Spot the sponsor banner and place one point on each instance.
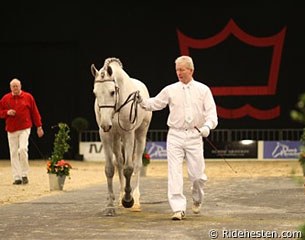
(92, 151)
(156, 150)
(237, 149)
(282, 149)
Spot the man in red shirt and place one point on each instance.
(20, 112)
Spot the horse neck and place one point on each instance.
(124, 83)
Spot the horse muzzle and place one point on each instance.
(106, 128)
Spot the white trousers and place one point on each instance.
(18, 143)
(188, 145)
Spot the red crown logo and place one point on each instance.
(276, 41)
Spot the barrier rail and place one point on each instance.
(218, 135)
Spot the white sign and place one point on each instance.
(92, 151)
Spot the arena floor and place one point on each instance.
(260, 198)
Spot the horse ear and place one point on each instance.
(93, 70)
(109, 70)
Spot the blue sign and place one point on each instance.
(282, 149)
(156, 150)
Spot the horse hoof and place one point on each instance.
(127, 204)
(136, 208)
(109, 212)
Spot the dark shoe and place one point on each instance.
(17, 182)
(25, 180)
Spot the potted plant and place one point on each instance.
(79, 124)
(302, 152)
(299, 116)
(57, 168)
(145, 158)
(145, 162)
(302, 230)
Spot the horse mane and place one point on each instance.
(110, 60)
(109, 69)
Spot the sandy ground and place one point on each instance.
(86, 174)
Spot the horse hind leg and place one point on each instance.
(140, 142)
(136, 193)
(119, 163)
(122, 182)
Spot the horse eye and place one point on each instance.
(112, 93)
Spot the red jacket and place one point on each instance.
(26, 109)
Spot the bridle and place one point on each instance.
(116, 94)
(132, 97)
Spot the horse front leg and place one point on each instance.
(109, 172)
(128, 142)
(127, 200)
(118, 148)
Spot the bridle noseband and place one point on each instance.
(116, 92)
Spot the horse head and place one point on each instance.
(106, 95)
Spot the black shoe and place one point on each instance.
(25, 180)
(17, 182)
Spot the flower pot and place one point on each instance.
(56, 182)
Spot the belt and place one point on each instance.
(183, 129)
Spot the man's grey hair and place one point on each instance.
(187, 60)
(15, 80)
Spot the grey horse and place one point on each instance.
(123, 127)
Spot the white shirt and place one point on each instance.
(203, 105)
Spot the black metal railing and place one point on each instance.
(219, 135)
